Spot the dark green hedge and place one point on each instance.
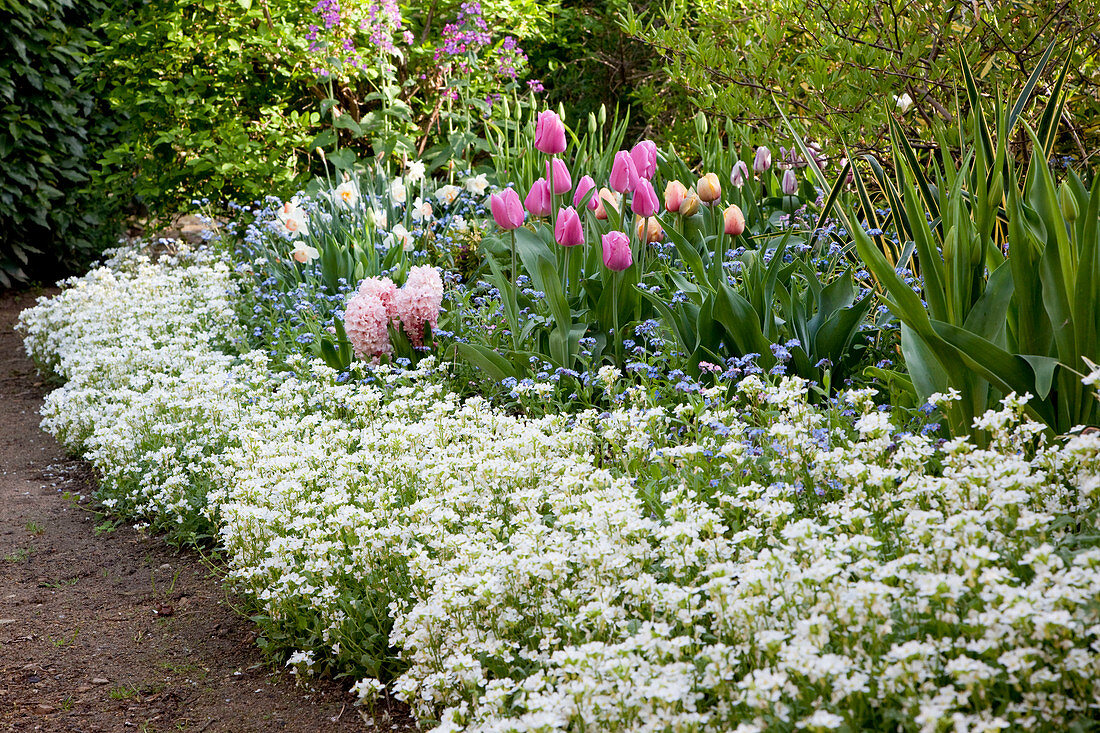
(51, 137)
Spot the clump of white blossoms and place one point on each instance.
(721, 564)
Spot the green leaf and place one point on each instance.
(488, 360)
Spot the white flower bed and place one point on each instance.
(593, 574)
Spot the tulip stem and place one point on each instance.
(615, 279)
(515, 297)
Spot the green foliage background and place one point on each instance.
(837, 65)
(217, 99)
(51, 216)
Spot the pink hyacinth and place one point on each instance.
(367, 318)
(419, 302)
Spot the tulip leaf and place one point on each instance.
(488, 360)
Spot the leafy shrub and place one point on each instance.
(216, 99)
(50, 218)
(840, 67)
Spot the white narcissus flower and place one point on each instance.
(303, 253)
(378, 217)
(397, 190)
(400, 234)
(421, 210)
(477, 185)
(346, 195)
(291, 220)
(447, 194)
(414, 171)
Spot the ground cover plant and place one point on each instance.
(599, 438)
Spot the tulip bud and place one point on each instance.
(733, 220)
(506, 208)
(585, 185)
(550, 133)
(644, 155)
(568, 231)
(701, 123)
(850, 177)
(603, 115)
(674, 195)
(616, 251)
(763, 159)
(790, 182)
(505, 108)
(690, 204)
(644, 200)
(592, 126)
(1067, 202)
(624, 175)
(648, 230)
(607, 197)
(538, 198)
(739, 174)
(709, 188)
(950, 246)
(558, 176)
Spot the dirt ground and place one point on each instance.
(107, 630)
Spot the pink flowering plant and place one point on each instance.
(305, 259)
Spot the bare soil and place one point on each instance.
(104, 629)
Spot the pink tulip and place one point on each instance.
(733, 220)
(558, 175)
(763, 160)
(506, 208)
(624, 175)
(606, 198)
(674, 196)
(568, 231)
(538, 198)
(790, 182)
(644, 155)
(739, 174)
(616, 251)
(550, 133)
(644, 202)
(585, 185)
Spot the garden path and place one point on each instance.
(103, 629)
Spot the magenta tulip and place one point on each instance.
(558, 175)
(568, 231)
(790, 182)
(763, 160)
(616, 251)
(538, 198)
(739, 174)
(644, 202)
(550, 133)
(624, 175)
(644, 155)
(586, 184)
(506, 208)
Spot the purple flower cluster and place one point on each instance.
(382, 21)
(467, 34)
(336, 29)
(511, 59)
